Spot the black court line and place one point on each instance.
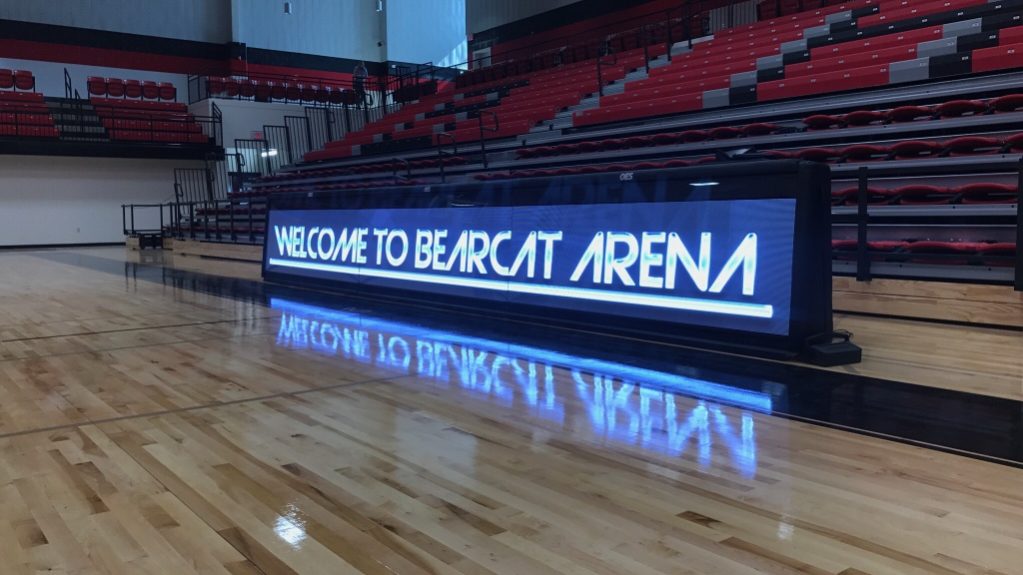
(199, 407)
(978, 426)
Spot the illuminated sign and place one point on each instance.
(622, 403)
(736, 255)
(707, 263)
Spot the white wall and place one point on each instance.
(421, 31)
(242, 117)
(58, 200)
(336, 28)
(486, 14)
(50, 76)
(200, 20)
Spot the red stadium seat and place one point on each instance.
(936, 252)
(971, 145)
(24, 80)
(132, 89)
(246, 88)
(1009, 103)
(915, 149)
(875, 196)
(231, 87)
(988, 193)
(263, 91)
(864, 153)
(278, 91)
(725, 133)
(150, 90)
(910, 113)
(694, 136)
(638, 141)
(168, 92)
(95, 85)
(818, 154)
(919, 194)
(760, 129)
(822, 122)
(115, 87)
(677, 163)
(1014, 142)
(1005, 253)
(214, 86)
(665, 139)
(864, 118)
(957, 108)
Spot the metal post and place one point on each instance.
(668, 35)
(124, 219)
(862, 254)
(646, 47)
(1018, 283)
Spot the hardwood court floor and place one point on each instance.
(151, 429)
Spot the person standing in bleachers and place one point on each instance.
(359, 76)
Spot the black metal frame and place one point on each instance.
(442, 155)
(483, 130)
(1018, 280)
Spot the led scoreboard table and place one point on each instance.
(731, 256)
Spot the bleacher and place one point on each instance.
(148, 121)
(919, 98)
(23, 112)
(519, 103)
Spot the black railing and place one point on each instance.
(443, 155)
(395, 162)
(129, 218)
(1018, 278)
(67, 84)
(483, 129)
(299, 136)
(603, 62)
(234, 221)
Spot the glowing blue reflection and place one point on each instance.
(624, 403)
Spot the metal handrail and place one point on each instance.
(408, 167)
(600, 70)
(441, 154)
(483, 129)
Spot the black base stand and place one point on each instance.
(825, 351)
(150, 241)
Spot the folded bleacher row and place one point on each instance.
(25, 115)
(146, 121)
